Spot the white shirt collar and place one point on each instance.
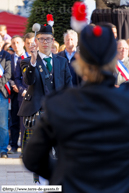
(21, 54)
(44, 56)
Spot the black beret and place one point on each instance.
(97, 45)
(45, 29)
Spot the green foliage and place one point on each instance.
(61, 11)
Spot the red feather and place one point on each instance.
(49, 17)
(97, 31)
(79, 11)
(44, 24)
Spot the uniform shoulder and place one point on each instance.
(6, 54)
(24, 63)
(26, 59)
(61, 58)
(61, 53)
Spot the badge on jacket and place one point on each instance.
(24, 70)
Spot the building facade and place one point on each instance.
(11, 5)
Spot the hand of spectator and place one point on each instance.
(15, 88)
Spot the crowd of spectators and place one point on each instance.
(16, 48)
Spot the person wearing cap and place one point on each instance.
(91, 129)
(44, 73)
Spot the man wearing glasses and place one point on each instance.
(44, 72)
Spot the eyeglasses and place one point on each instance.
(42, 40)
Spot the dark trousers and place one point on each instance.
(22, 128)
(14, 121)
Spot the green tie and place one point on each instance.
(48, 65)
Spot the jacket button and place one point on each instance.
(25, 98)
(51, 82)
(28, 95)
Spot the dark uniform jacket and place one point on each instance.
(35, 78)
(75, 78)
(5, 61)
(90, 126)
(12, 80)
(19, 81)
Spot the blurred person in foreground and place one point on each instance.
(89, 124)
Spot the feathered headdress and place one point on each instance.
(79, 16)
(50, 20)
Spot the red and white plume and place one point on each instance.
(79, 16)
(50, 20)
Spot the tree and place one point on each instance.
(61, 11)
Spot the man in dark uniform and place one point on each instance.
(44, 72)
(22, 87)
(18, 46)
(90, 124)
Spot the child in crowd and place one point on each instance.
(3, 33)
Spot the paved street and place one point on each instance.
(12, 171)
